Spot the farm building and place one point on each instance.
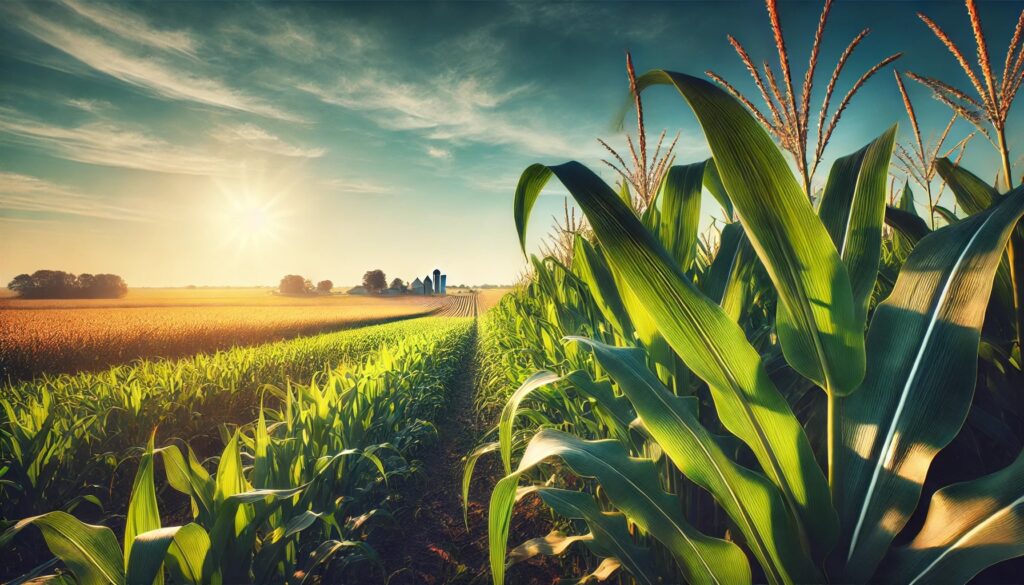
(357, 290)
(432, 284)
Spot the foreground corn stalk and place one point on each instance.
(657, 348)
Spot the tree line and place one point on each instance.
(374, 281)
(57, 284)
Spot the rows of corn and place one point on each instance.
(318, 432)
(53, 339)
(826, 390)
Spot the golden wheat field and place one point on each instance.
(62, 336)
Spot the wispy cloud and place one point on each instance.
(441, 153)
(357, 187)
(108, 144)
(130, 26)
(450, 108)
(24, 193)
(158, 76)
(86, 105)
(256, 138)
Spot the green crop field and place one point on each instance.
(784, 346)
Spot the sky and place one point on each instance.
(221, 143)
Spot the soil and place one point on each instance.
(434, 546)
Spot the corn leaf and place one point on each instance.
(633, 487)
(910, 228)
(853, 208)
(594, 271)
(970, 192)
(187, 553)
(753, 503)
(970, 527)
(609, 531)
(146, 560)
(727, 281)
(680, 211)
(90, 552)
(817, 321)
(924, 345)
(716, 349)
(143, 511)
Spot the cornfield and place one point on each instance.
(825, 391)
(822, 388)
(42, 339)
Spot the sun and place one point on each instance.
(249, 218)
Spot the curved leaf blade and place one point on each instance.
(90, 552)
(853, 209)
(609, 531)
(924, 343)
(680, 211)
(716, 350)
(970, 527)
(632, 485)
(817, 321)
(753, 503)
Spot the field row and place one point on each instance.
(58, 423)
(36, 341)
(296, 488)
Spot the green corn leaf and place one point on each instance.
(594, 271)
(906, 202)
(190, 478)
(609, 531)
(970, 527)
(716, 349)
(970, 192)
(143, 511)
(908, 226)
(924, 345)
(853, 208)
(727, 281)
(817, 320)
(753, 503)
(633, 487)
(947, 215)
(146, 560)
(90, 552)
(713, 183)
(508, 413)
(975, 196)
(187, 554)
(615, 411)
(680, 211)
(467, 475)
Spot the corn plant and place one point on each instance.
(680, 352)
(59, 435)
(321, 467)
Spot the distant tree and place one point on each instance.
(23, 285)
(324, 287)
(375, 281)
(397, 284)
(57, 284)
(293, 284)
(103, 286)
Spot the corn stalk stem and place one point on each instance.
(834, 438)
(1004, 152)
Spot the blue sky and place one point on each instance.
(221, 143)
